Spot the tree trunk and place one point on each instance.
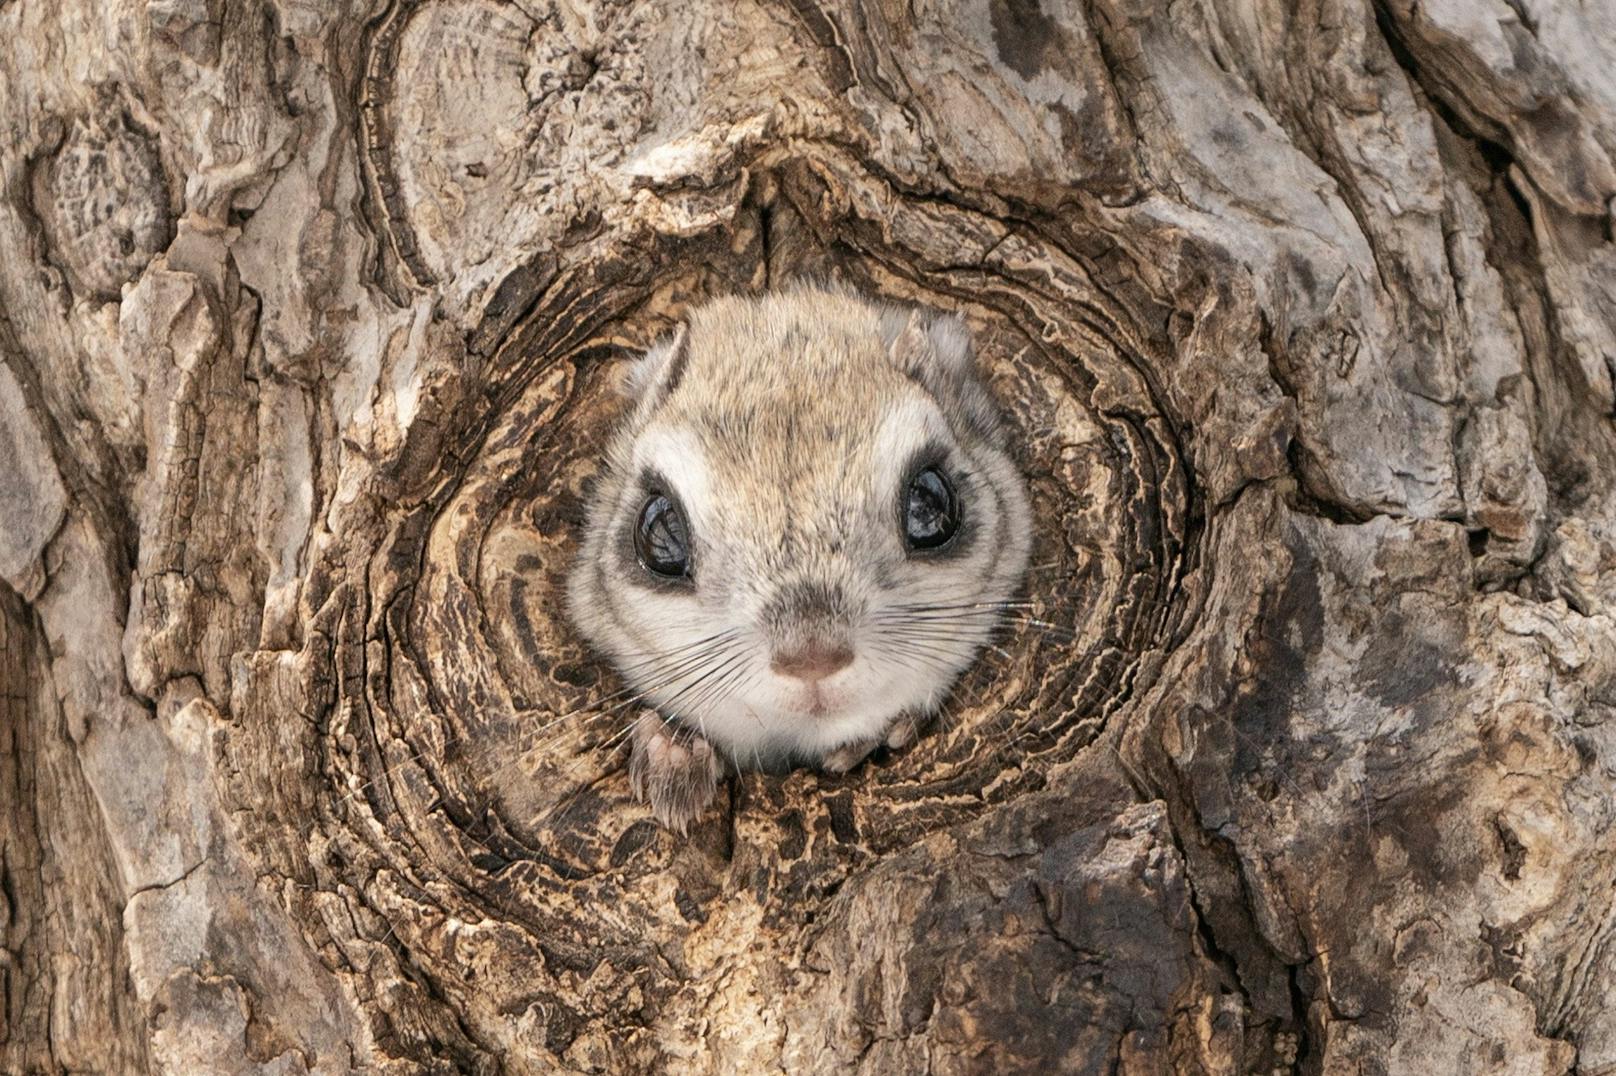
(1305, 319)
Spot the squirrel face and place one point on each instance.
(806, 525)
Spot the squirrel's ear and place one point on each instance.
(935, 350)
(650, 378)
(930, 347)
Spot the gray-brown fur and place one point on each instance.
(786, 427)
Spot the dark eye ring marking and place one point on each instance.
(931, 510)
(662, 538)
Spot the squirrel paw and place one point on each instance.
(674, 769)
(900, 734)
(904, 731)
(847, 756)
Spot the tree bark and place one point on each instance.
(1305, 319)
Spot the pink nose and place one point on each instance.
(813, 661)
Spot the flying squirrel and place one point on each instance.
(805, 530)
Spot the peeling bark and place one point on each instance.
(1304, 317)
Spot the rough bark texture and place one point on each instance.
(1305, 315)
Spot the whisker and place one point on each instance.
(685, 662)
(669, 676)
(553, 816)
(900, 611)
(717, 690)
(932, 656)
(943, 624)
(637, 698)
(710, 682)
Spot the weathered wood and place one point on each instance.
(1304, 317)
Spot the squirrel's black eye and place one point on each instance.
(661, 539)
(931, 514)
